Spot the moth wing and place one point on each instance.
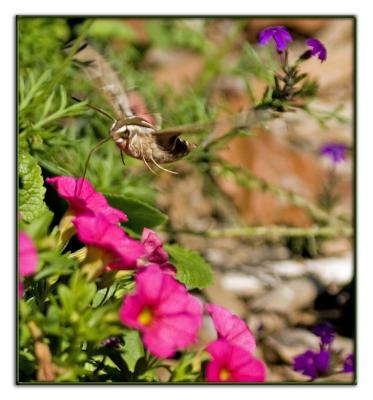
(170, 134)
(99, 70)
(179, 130)
(166, 138)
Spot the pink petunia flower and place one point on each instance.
(167, 316)
(83, 198)
(154, 251)
(153, 247)
(231, 363)
(231, 328)
(108, 242)
(28, 258)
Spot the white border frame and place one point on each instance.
(361, 9)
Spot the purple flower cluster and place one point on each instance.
(111, 342)
(325, 332)
(312, 363)
(317, 48)
(278, 33)
(282, 37)
(349, 363)
(319, 363)
(335, 151)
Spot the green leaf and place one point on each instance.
(140, 214)
(53, 168)
(38, 228)
(183, 371)
(82, 290)
(192, 270)
(103, 295)
(53, 264)
(134, 349)
(66, 297)
(31, 193)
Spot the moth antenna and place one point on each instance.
(145, 162)
(164, 169)
(98, 109)
(95, 148)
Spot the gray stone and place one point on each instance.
(287, 269)
(287, 297)
(242, 284)
(332, 271)
(290, 342)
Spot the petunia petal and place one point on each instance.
(231, 328)
(28, 256)
(240, 365)
(83, 198)
(96, 231)
(153, 246)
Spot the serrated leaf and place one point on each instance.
(140, 214)
(38, 228)
(31, 193)
(134, 349)
(192, 270)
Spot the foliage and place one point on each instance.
(140, 215)
(191, 268)
(31, 192)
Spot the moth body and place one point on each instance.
(138, 139)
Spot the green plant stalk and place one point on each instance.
(274, 232)
(60, 74)
(248, 180)
(35, 87)
(61, 113)
(214, 62)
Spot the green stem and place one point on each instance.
(61, 113)
(274, 232)
(215, 60)
(248, 180)
(239, 122)
(60, 73)
(119, 362)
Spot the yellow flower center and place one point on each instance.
(146, 316)
(224, 374)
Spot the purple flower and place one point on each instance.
(278, 33)
(317, 48)
(325, 332)
(349, 363)
(336, 151)
(112, 342)
(311, 363)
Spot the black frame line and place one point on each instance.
(354, 187)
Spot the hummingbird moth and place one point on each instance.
(134, 135)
